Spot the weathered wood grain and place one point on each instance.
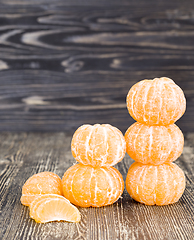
(24, 154)
(65, 63)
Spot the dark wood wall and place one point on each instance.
(66, 63)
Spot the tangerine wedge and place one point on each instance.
(98, 145)
(53, 207)
(150, 184)
(87, 186)
(40, 183)
(156, 102)
(154, 144)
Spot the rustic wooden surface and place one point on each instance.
(24, 154)
(65, 63)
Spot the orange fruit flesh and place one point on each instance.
(27, 199)
(87, 186)
(156, 102)
(38, 184)
(154, 144)
(53, 207)
(98, 145)
(161, 185)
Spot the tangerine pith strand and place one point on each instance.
(94, 182)
(154, 141)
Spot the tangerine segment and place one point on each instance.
(98, 145)
(38, 200)
(53, 207)
(154, 144)
(87, 186)
(38, 184)
(161, 185)
(156, 102)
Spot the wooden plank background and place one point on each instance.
(65, 63)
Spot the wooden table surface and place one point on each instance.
(64, 63)
(24, 154)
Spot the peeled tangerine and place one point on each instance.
(87, 186)
(161, 185)
(156, 102)
(98, 145)
(38, 184)
(154, 144)
(53, 207)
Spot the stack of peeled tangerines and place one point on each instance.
(154, 141)
(94, 182)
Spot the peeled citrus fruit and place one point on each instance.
(87, 186)
(156, 102)
(98, 145)
(150, 184)
(154, 144)
(38, 184)
(53, 207)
